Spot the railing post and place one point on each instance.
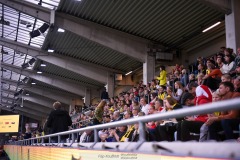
(142, 132)
(73, 138)
(49, 139)
(59, 139)
(95, 135)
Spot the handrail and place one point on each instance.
(205, 108)
(83, 121)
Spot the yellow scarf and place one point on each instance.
(126, 135)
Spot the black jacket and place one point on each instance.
(58, 121)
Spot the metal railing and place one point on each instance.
(203, 109)
(83, 123)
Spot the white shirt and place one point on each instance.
(227, 67)
(145, 109)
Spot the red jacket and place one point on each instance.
(198, 102)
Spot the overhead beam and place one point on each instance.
(24, 114)
(35, 113)
(127, 44)
(223, 6)
(29, 107)
(67, 85)
(37, 108)
(33, 98)
(39, 100)
(86, 69)
(55, 95)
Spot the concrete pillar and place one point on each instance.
(148, 69)
(87, 98)
(232, 22)
(110, 84)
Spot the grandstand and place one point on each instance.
(119, 79)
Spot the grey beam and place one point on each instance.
(33, 109)
(67, 85)
(31, 106)
(23, 113)
(28, 112)
(39, 100)
(223, 6)
(37, 108)
(62, 97)
(119, 41)
(32, 98)
(89, 70)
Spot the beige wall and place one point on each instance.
(204, 51)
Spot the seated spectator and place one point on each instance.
(187, 99)
(177, 68)
(227, 121)
(220, 61)
(153, 86)
(159, 105)
(135, 111)
(116, 116)
(127, 115)
(204, 128)
(118, 133)
(162, 94)
(200, 79)
(193, 124)
(88, 137)
(167, 128)
(226, 78)
(144, 105)
(236, 61)
(177, 95)
(237, 70)
(228, 66)
(151, 126)
(153, 97)
(236, 83)
(201, 69)
(212, 79)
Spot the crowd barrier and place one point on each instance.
(32, 147)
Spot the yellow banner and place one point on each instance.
(55, 153)
(9, 123)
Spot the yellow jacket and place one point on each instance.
(163, 77)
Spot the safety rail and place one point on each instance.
(83, 122)
(203, 109)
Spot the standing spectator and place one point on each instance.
(104, 94)
(163, 76)
(184, 79)
(98, 114)
(58, 121)
(28, 133)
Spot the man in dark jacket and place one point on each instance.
(58, 121)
